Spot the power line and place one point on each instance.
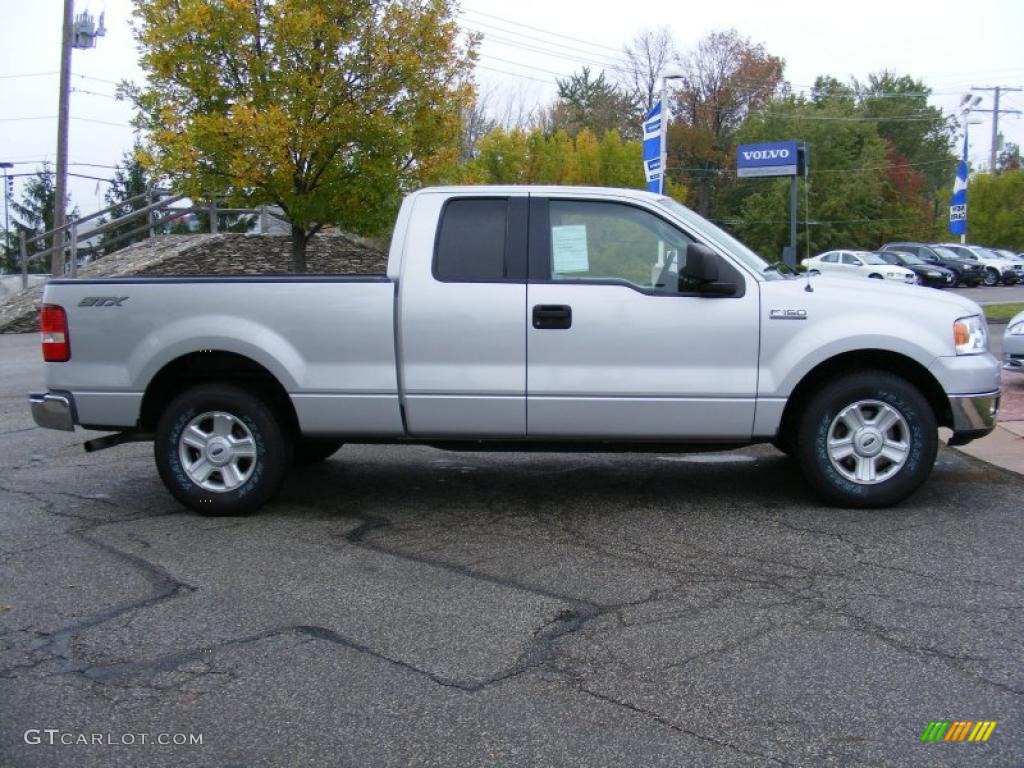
(54, 117)
(543, 31)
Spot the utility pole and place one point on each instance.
(996, 111)
(7, 218)
(77, 33)
(63, 105)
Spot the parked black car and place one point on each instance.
(931, 275)
(968, 273)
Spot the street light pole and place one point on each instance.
(967, 104)
(664, 127)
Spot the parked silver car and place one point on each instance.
(1013, 344)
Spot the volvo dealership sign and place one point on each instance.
(776, 158)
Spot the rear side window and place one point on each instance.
(471, 241)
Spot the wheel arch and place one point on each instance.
(214, 365)
(862, 360)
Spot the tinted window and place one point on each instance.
(849, 258)
(830, 258)
(609, 241)
(471, 241)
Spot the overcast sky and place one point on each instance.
(950, 45)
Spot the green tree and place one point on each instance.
(331, 109)
(586, 102)
(994, 205)
(33, 214)
(130, 181)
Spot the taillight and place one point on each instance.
(53, 323)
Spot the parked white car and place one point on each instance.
(997, 269)
(858, 264)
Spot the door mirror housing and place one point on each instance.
(701, 271)
(701, 264)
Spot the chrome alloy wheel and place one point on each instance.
(217, 451)
(868, 442)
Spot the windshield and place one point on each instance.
(909, 258)
(872, 258)
(944, 252)
(724, 239)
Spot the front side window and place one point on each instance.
(849, 258)
(611, 241)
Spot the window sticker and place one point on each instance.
(569, 249)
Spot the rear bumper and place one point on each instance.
(53, 410)
(974, 416)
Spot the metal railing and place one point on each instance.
(157, 213)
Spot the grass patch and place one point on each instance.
(1002, 311)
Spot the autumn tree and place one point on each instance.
(647, 59)
(724, 78)
(330, 109)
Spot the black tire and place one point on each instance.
(875, 277)
(308, 451)
(813, 272)
(250, 422)
(991, 277)
(1010, 278)
(822, 419)
(958, 279)
(974, 283)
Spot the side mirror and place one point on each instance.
(701, 271)
(701, 264)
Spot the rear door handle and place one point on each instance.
(552, 316)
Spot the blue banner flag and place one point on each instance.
(958, 205)
(652, 149)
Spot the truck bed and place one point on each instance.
(329, 340)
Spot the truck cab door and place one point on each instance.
(617, 345)
(461, 309)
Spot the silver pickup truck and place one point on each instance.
(522, 318)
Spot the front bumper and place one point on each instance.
(974, 416)
(53, 410)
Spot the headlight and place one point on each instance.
(1017, 329)
(970, 335)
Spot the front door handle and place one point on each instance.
(552, 316)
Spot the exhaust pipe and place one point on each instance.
(109, 441)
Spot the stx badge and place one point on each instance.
(102, 301)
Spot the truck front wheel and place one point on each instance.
(867, 440)
(220, 450)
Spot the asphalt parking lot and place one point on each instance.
(405, 606)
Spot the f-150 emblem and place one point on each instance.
(787, 314)
(102, 301)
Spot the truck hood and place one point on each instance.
(894, 300)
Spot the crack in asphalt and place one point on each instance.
(540, 651)
(668, 723)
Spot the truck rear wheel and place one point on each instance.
(867, 440)
(220, 450)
